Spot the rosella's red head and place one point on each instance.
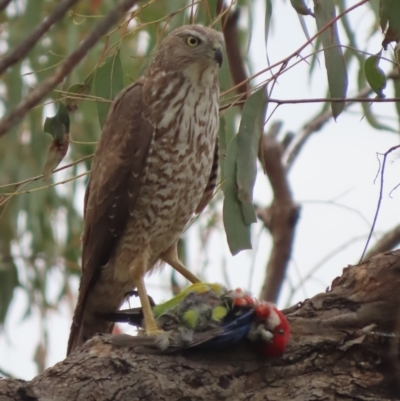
(271, 330)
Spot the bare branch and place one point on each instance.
(280, 218)
(235, 59)
(343, 345)
(37, 94)
(388, 242)
(20, 51)
(378, 207)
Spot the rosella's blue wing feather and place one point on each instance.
(227, 335)
(233, 332)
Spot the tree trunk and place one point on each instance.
(344, 346)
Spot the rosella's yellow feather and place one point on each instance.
(218, 313)
(191, 317)
(198, 288)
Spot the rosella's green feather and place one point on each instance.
(198, 288)
(191, 318)
(218, 313)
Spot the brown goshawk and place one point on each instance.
(154, 167)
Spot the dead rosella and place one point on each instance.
(208, 315)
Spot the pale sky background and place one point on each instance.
(338, 164)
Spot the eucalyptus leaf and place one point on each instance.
(376, 77)
(301, 7)
(79, 91)
(324, 11)
(248, 138)
(8, 282)
(238, 233)
(222, 148)
(268, 18)
(108, 82)
(389, 12)
(58, 125)
(396, 84)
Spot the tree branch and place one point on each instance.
(341, 347)
(388, 242)
(280, 218)
(4, 4)
(232, 44)
(37, 94)
(21, 50)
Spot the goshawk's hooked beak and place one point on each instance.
(218, 57)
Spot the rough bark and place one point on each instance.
(344, 346)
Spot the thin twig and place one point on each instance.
(316, 123)
(337, 204)
(323, 261)
(38, 177)
(4, 373)
(348, 100)
(378, 207)
(29, 191)
(21, 50)
(37, 94)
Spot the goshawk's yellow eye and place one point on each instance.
(193, 41)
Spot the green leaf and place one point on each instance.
(314, 58)
(324, 11)
(57, 151)
(396, 83)
(303, 25)
(237, 231)
(268, 17)
(80, 91)
(301, 7)
(389, 13)
(58, 128)
(248, 137)
(374, 4)
(222, 148)
(397, 54)
(108, 83)
(8, 282)
(58, 125)
(375, 76)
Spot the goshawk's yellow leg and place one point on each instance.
(138, 271)
(149, 321)
(170, 256)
